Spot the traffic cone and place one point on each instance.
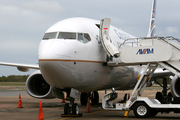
(41, 116)
(20, 102)
(63, 100)
(88, 106)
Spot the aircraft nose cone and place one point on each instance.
(54, 50)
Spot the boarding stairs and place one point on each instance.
(149, 51)
(164, 51)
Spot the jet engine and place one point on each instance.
(175, 86)
(37, 87)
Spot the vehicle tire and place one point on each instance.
(153, 112)
(141, 110)
(67, 109)
(75, 109)
(159, 96)
(83, 98)
(95, 97)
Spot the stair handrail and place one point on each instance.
(134, 42)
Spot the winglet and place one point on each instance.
(152, 26)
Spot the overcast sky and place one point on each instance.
(23, 22)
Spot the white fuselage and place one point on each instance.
(70, 63)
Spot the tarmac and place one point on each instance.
(53, 108)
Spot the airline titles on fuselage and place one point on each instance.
(121, 36)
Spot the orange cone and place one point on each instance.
(41, 116)
(88, 106)
(20, 102)
(63, 100)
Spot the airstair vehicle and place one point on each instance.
(147, 51)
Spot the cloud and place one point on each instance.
(171, 30)
(18, 45)
(12, 12)
(28, 12)
(6, 10)
(168, 31)
(42, 6)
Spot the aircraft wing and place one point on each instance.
(21, 67)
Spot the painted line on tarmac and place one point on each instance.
(4, 105)
(66, 118)
(94, 112)
(84, 114)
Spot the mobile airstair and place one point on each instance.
(149, 51)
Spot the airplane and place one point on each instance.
(72, 58)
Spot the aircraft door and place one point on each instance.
(108, 46)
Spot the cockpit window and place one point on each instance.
(84, 37)
(51, 35)
(66, 35)
(80, 37)
(87, 37)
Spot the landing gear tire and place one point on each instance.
(83, 98)
(67, 110)
(169, 94)
(141, 110)
(159, 96)
(95, 97)
(75, 109)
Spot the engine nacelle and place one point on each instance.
(37, 87)
(175, 86)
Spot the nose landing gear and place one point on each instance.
(71, 109)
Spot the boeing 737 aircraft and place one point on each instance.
(72, 58)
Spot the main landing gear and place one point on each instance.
(165, 98)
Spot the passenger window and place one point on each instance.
(51, 35)
(84, 37)
(66, 35)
